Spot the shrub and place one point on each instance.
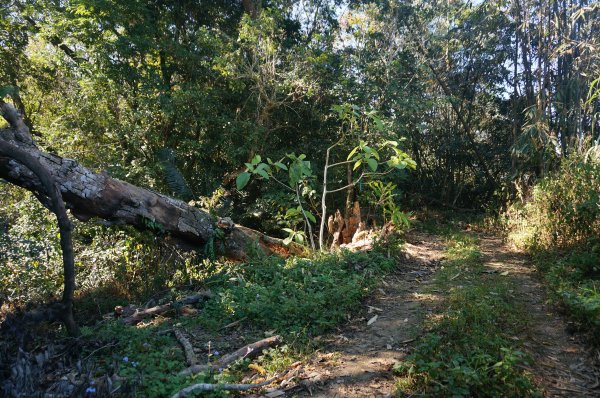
(560, 225)
(564, 210)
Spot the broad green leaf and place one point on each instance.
(288, 240)
(242, 180)
(256, 159)
(263, 173)
(306, 169)
(357, 164)
(295, 174)
(372, 164)
(375, 154)
(291, 212)
(263, 169)
(289, 231)
(299, 238)
(281, 165)
(310, 216)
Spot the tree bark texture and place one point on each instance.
(88, 194)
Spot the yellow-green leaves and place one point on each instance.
(364, 154)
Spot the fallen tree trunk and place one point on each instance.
(61, 184)
(88, 194)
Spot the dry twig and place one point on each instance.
(212, 387)
(247, 351)
(190, 356)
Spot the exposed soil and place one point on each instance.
(364, 353)
(357, 361)
(563, 366)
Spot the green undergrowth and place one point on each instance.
(297, 298)
(574, 283)
(470, 349)
(559, 226)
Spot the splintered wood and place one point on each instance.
(351, 233)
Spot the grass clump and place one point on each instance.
(298, 295)
(575, 284)
(468, 350)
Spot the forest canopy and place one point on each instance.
(309, 125)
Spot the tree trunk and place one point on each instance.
(63, 311)
(88, 194)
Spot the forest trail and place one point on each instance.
(562, 366)
(358, 359)
(360, 356)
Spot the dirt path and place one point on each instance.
(356, 362)
(562, 364)
(359, 358)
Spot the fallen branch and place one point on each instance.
(248, 351)
(190, 355)
(132, 315)
(212, 387)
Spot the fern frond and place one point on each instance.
(173, 176)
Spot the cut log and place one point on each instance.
(88, 194)
(352, 223)
(249, 351)
(337, 230)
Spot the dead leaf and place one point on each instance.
(372, 320)
(258, 368)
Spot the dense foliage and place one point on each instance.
(242, 107)
(485, 96)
